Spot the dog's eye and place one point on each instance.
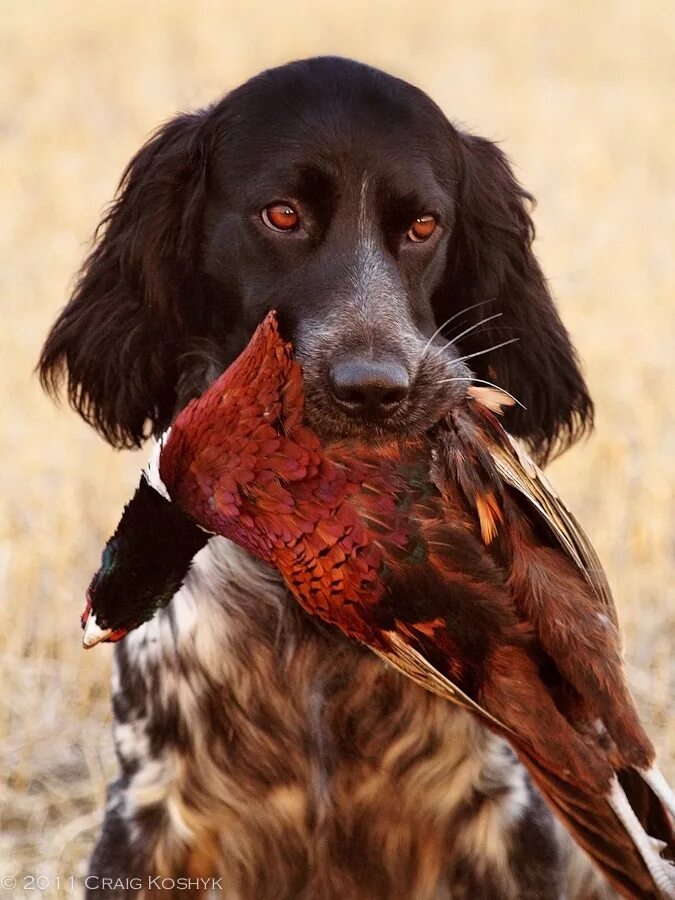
(280, 217)
(422, 229)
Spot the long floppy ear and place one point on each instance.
(491, 269)
(116, 342)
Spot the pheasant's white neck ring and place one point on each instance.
(151, 471)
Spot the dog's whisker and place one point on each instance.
(452, 341)
(498, 388)
(472, 380)
(456, 337)
(487, 350)
(438, 331)
(452, 318)
(450, 346)
(467, 309)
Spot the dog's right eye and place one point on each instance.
(280, 217)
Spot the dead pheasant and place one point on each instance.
(449, 555)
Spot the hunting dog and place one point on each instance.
(254, 743)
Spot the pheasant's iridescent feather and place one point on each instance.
(450, 556)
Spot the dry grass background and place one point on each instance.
(581, 95)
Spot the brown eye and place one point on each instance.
(280, 217)
(422, 229)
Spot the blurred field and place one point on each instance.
(580, 94)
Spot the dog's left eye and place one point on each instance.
(422, 229)
(280, 217)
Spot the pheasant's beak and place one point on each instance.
(93, 634)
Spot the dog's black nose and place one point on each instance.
(369, 387)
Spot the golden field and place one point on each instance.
(581, 96)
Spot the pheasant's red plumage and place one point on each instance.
(450, 556)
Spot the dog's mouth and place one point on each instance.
(431, 398)
(439, 385)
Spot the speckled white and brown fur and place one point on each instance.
(256, 745)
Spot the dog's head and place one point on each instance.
(396, 249)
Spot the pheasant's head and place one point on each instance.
(142, 566)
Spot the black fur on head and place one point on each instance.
(119, 339)
(185, 265)
(491, 268)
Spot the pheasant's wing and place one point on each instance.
(608, 828)
(524, 476)
(410, 662)
(600, 814)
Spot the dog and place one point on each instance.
(255, 745)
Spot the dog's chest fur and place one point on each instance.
(261, 747)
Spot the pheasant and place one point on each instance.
(448, 554)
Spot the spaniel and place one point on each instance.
(255, 745)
